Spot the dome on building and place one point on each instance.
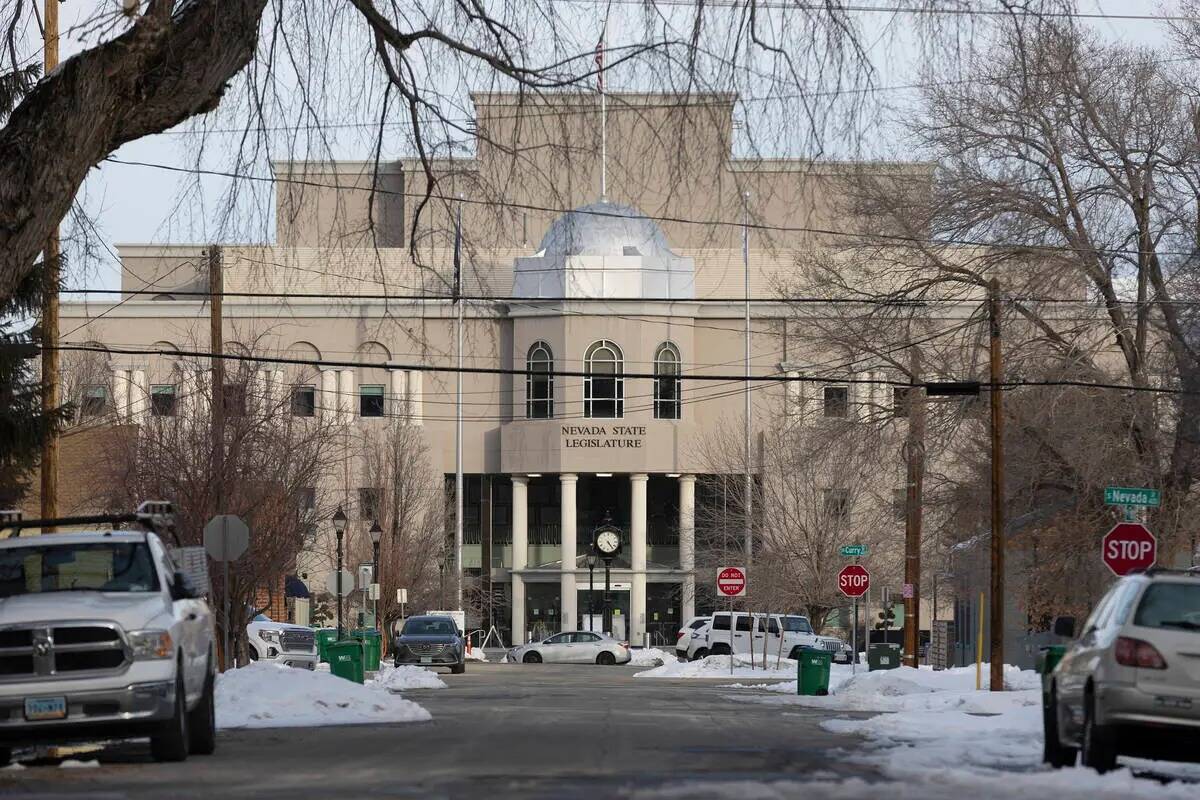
(605, 250)
(605, 229)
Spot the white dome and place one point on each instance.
(604, 250)
(605, 229)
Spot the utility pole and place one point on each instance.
(216, 344)
(51, 277)
(914, 453)
(997, 550)
(749, 488)
(458, 412)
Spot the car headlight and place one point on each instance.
(149, 645)
(269, 636)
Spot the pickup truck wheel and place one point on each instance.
(700, 654)
(171, 741)
(202, 723)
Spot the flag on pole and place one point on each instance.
(600, 63)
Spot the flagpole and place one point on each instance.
(603, 112)
(458, 415)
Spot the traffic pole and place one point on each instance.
(997, 548)
(51, 277)
(854, 641)
(914, 448)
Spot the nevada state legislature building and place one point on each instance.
(647, 281)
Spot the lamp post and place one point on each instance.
(339, 529)
(442, 581)
(376, 534)
(590, 560)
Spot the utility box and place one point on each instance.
(883, 655)
(941, 644)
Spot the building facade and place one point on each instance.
(604, 336)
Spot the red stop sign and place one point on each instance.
(854, 580)
(1129, 547)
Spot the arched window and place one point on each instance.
(667, 403)
(603, 386)
(539, 382)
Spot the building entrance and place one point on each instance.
(591, 609)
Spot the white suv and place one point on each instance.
(1130, 684)
(291, 645)
(778, 633)
(689, 637)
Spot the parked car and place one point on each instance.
(756, 632)
(842, 652)
(431, 640)
(102, 637)
(1130, 684)
(692, 631)
(573, 647)
(291, 645)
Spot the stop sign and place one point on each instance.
(854, 580)
(1129, 547)
(731, 581)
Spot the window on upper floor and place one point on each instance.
(667, 384)
(603, 384)
(901, 400)
(304, 401)
(837, 505)
(837, 401)
(369, 503)
(162, 400)
(370, 401)
(233, 396)
(95, 401)
(539, 382)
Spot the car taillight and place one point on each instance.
(625, 645)
(1136, 653)
(680, 635)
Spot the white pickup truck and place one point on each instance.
(102, 637)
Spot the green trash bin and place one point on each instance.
(883, 655)
(346, 659)
(372, 644)
(812, 671)
(1047, 660)
(325, 637)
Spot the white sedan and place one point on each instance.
(573, 647)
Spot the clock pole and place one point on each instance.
(606, 541)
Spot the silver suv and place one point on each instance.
(1130, 684)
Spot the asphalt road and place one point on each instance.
(500, 730)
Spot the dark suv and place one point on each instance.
(431, 641)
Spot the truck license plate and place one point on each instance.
(42, 708)
(426, 659)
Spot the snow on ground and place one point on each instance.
(268, 695)
(405, 676)
(943, 738)
(476, 654)
(650, 657)
(719, 667)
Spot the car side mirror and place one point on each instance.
(1065, 627)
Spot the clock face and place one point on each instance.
(608, 542)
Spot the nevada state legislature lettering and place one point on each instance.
(619, 436)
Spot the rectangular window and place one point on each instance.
(667, 400)
(1170, 605)
(368, 504)
(742, 621)
(304, 401)
(306, 498)
(901, 395)
(234, 397)
(95, 401)
(837, 401)
(720, 622)
(370, 401)
(837, 505)
(162, 401)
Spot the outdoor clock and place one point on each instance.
(607, 541)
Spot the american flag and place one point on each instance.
(600, 64)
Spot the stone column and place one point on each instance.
(398, 402)
(120, 385)
(570, 596)
(328, 400)
(687, 544)
(520, 553)
(637, 558)
(280, 394)
(139, 396)
(346, 396)
(415, 381)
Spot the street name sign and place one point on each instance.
(854, 580)
(1125, 496)
(853, 550)
(1129, 547)
(731, 581)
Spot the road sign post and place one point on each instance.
(226, 538)
(731, 583)
(1128, 547)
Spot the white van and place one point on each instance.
(778, 633)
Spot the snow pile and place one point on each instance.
(405, 676)
(650, 657)
(476, 654)
(269, 695)
(720, 667)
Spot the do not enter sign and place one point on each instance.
(1129, 547)
(731, 581)
(854, 580)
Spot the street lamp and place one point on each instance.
(590, 560)
(376, 533)
(339, 528)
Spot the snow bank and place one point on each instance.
(650, 657)
(719, 667)
(476, 654)
(405, 676)
(268, 695)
